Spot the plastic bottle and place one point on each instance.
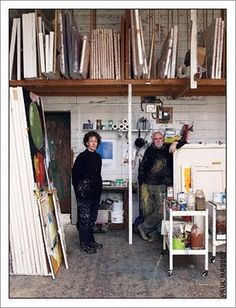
(191, 200)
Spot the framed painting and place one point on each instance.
(50, 232)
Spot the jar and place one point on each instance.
(197, 238)
(200, 200)
(220, 225)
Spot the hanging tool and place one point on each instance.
(139, 142)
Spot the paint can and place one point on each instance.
(117, 206)
(117, 217)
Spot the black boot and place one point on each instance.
(96, 245)
(88, 249)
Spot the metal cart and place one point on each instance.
(218, 238)
(168, 236)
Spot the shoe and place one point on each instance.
(88, 249)
(142, 233)
(151, 239)
(96, 245)
(154, 238)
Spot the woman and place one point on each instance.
(87, 183)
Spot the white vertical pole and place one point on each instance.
(18, 49)
(206, 241)
(214, 231)
(130, 162)
(171, 242)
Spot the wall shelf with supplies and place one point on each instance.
(118, 130)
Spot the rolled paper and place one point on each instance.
(121, 126)
(114, 126)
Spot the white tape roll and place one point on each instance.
(114, 126)
(126, 126)
(124, 121)
(121, 126)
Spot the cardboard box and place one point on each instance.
(102, 217)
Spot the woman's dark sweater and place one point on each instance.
(86, 175)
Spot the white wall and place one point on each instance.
(207, 113)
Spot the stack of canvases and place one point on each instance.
(215, 45)
(37, 242)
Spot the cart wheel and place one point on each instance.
(163, 252)
(169, 273)
(204, 273)
(213, 259)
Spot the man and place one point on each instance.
(154, 175)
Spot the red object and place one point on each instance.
(39, 169)
(187, 218)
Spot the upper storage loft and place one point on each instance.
(99, 52)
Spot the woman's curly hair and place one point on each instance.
(89, 135)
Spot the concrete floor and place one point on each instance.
(120, 270)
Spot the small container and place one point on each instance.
(200, 200)
(217, 197)
(182, 197)
(99, 124)
(220, 224)
(102, 217)
(174, 205)
(183, 207)
(179, 243)
(110, 123)
(197, 238)
(117, 206)
(94, 125)
(117, 217)
(191, 200)
(224, 199)
(170, 193)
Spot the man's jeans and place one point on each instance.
(152, 197)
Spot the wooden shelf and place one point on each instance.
(155, 87)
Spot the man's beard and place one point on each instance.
(159, 146)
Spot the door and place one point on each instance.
(58, 131)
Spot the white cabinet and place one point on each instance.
(207, 168)
(168, 224)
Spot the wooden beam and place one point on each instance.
(164, 87)
(122, 47)
(93, 20)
